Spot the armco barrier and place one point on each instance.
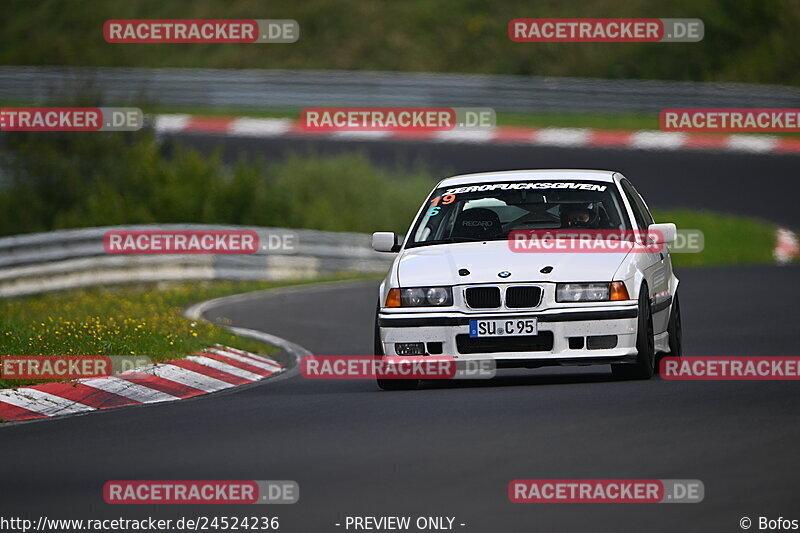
(233, 88)
(66, 259)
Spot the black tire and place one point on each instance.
(675, 330)
(674, 333)
(645, 345)
(390, 384)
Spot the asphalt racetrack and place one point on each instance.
(451, 450)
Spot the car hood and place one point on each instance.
(439, 265)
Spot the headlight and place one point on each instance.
(582, 292)
(420, 297)
(412, 297)
(591, 292)
(439, 296)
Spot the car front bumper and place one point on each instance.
(556, 342)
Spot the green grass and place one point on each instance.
(729, 239)
(143, 320)
(746, 41)
(600, 121)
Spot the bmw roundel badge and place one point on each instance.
(504, 274)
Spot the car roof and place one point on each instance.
(538, 175)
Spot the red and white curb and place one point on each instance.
(214, 369)
(787, 247)
(559, 137)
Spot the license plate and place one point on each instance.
(504, 327)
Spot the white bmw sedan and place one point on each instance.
(531, 268)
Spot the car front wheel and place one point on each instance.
(674, 329)
(674, 333)
(645, 345)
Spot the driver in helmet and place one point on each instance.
(579, 216)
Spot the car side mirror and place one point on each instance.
(662, 233)
(385, 241)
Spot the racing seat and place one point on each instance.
(477, 223)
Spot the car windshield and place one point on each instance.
(490, 211)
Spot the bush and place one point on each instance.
(54, 181)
